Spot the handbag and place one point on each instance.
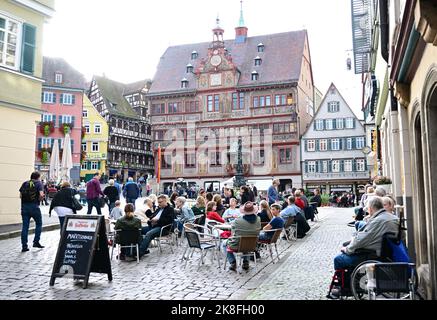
(102, 202)
(76, 204)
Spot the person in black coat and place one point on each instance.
(112, 193)
(62, 202)
(164, 215)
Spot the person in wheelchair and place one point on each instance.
(367, 242)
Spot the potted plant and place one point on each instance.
(44, 156)
(383, 181)
(46, 128)
(325, 199)
(66, 128)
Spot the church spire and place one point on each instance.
(241, 23)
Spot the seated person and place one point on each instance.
(199, 209)
(127, 222)
(145, 212)
(185, 213)
(232, 213)
(247, 225)
(211, 214)
(265, 213)
(292, 210)
(370, 238)
(276, 223)
(116, 213)
(164, 215)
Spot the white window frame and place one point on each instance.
(97, 128)
(67, 99)
(48, 97)
(84, 146)
(47, 117)
(360, 165)
(349, 123)
(93, 145)
(84, 166)
(46, 142)
(312, 166)
(58, 77)
(66, 119)
(87, 128)
(347, 165)
(311, 145)
(319, 125)
(329, 124)
(323, 145)
(324, 166)
(18, 45)
(94, 165)
(349, 144)
(84, 113)
(334, 107)
(335, 144)
(360, 143)
(336, 166)
(340, 124)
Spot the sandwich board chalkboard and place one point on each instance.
(83, 248)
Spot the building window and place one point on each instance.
(214, 103)
(10, 42)
(191, 106)
(347, 165)
(84, 113)
(349, 144)
(324, 166)
(49, 97)
(47, 117)
(194, 55)
(311, 145)
(190, 68)
(279, 128)
(46, 143)
(350, 123)
(97, 128)
(190, 160)
(361, 165)
(159, 135)
(323, 145)
(319, 125)
(261, 47)
(95, 147)
(84, 148)
(340, 124)
(280, 99)
(87, 128)
(84, 166)
(215, 159)
(66, 119)
(258, 157)
(158, 108)
(336, 166)
(237, 101)
(285, 156)
(335, 144)
(94, 165)
(67, 99)
(329, 124)
(175, 107)
(312, 166)
(360, 143)
(258, 61)
(184, 83)
(255, 76)
(58, 77)
(334, 107)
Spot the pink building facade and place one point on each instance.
(62, 106)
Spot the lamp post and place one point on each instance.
(239, 176)
(367, 151)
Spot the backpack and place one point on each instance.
(29, 192)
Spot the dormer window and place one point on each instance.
(255, 76)
(184, 83)
(58, 77)
(190, 68)
(194, 55)
(258, 61)
(261, 47)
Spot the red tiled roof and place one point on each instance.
(281, 61)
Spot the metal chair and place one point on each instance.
(166, 236)
(196, 243)
(272, 242)
(127, 239)
(290, 229)
(247, 246)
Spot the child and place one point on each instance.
(116, 213)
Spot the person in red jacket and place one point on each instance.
(298, 201)
(211, 214)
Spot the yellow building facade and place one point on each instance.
(94, 143)
(21, 35)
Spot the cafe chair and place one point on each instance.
(247, 246)
(272, 242)
(127, 239)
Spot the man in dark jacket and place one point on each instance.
(131, 191)
(164, 216)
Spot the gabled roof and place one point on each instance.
(138, 86)
(71, 78)
(282, 61)
(113, 94)
(332, 86)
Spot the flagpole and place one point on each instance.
(159, 165)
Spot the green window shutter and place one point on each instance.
(329, 144)
(354, 165)
(39, 143)
(329, 166)
(334, 124)
(354, 126)
(354, 143)
(61, 98)
(305, 142)
(341, 165)
(88, 165)
(28, 48)
(42, 97)
(306, 167)
(73, 100)
(73, 119)
(98, 165)
(54, 98)
(317, 145)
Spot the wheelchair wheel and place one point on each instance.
(359, 280)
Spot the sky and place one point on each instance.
(125, 39)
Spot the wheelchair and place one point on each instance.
(375, 278)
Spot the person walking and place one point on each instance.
(62, 202)
(31, 193)
(93, 192)
(112, 193)
(131, 191)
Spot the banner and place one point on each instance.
(158, 174)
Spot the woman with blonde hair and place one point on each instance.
(265, 213)
(219, 205)
(199, 209)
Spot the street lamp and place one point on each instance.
(369, 160)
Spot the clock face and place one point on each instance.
(216, 60)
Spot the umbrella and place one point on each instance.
(67, 159)
(55, 165)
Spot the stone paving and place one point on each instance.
(303, 273)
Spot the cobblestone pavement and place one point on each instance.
(307, 271)
(303, 273)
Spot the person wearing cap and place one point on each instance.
(249, 224)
